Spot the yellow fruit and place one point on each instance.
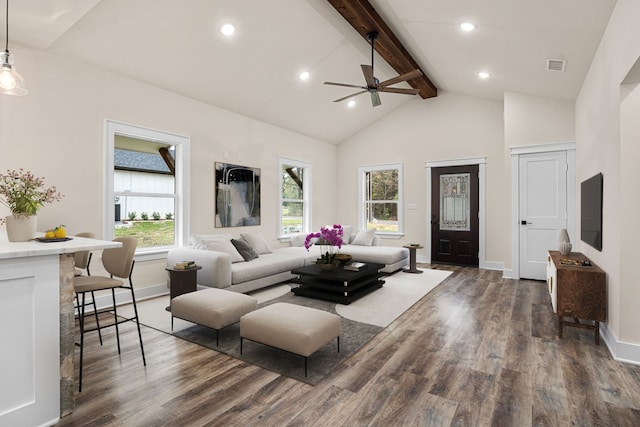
(50, 234)
(60, 232)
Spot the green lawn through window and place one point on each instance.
(149, 233)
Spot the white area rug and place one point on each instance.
(399, 293)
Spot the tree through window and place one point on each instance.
(294, 212)
(380, 197)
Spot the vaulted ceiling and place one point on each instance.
(176, 45)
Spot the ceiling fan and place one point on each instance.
(374, 86)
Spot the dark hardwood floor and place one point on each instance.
(478, 350)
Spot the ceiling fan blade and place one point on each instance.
(367, 70)
(401, 78)
(350, 96)
(375, 98)
(344, 85)
(400, 90)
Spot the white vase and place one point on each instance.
(21, 229)
(565, 248)
(563, 236)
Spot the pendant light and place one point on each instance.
(11, 83)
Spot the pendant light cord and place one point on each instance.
(6, 46)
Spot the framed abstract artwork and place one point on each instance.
(237, 195)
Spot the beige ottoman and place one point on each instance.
(214, 308)
(293, 328)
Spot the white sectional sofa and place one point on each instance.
(223, 266)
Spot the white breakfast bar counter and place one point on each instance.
(36, 329)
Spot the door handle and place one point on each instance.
(524, 222)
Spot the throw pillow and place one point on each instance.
(257, 242)
(298, 239)
(225, 246)
(346, 233)
(245, 249)
(364, 237)
(199, 241)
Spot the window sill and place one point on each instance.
(390, 235)
(151, 255)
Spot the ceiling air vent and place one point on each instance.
(556, 65)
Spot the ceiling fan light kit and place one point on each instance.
(11, 83)
(374, 86)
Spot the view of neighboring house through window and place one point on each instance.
(145, 189)
(381, 198)
(295, 180)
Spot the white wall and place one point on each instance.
(57, 132)
(533, 120)
(601, 149)
(448, 127)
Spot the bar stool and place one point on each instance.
(119, 263)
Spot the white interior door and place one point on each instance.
(542, 209)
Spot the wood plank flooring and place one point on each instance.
(479, 350)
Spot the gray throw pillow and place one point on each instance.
(245, 249)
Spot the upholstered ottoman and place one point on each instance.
(214, 308)
(293, 328)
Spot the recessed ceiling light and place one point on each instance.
(468, 26)
(228, 29)
(304, 75)
(351, 103)
(484, 75)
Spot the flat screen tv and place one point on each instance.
(591, 211)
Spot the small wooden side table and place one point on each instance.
(412, 258)
(182, 281)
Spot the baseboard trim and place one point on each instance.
(493, 265)
(620, 351)
(123, 296)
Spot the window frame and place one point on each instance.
(306, 195)
(182, 182)
(362, 194)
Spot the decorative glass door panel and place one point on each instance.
(454, 215)
(455, 204)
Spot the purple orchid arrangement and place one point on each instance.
(330, 237)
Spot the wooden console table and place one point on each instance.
(578, 290)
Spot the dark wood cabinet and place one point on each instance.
(578, 290)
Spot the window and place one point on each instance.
(146, 187)
(380, 199)
(295, 200)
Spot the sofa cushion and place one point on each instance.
(364, 237)
(220, 245)
(265, 265)
(257, 242)
(378, 254)
(245, 249)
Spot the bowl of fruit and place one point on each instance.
(58, 234)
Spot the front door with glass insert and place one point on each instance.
(454, 215)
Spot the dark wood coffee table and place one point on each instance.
(342, 286)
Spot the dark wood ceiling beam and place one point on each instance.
(364, 19)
